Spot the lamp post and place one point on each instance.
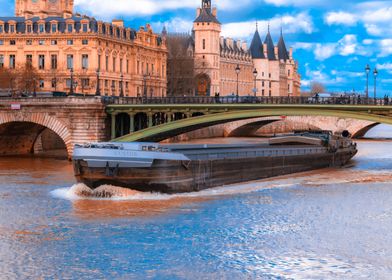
(34, 89)
(375, 73)
(255, 76)
(98, 90)
(121, 85)
(71, 90)
(367, 69)
(237, 71)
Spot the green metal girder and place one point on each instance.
(280, 110)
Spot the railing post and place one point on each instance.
(150, 122)
(131, 122)
(113, 128)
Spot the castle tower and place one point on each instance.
(43, 8)
(207, 31)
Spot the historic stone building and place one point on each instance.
(263, 69)
(49, 36)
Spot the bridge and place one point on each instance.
(35, 125)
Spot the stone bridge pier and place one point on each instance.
(34, 125)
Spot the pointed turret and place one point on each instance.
(256, 47)
(164, 31)
(270, 45)
(282, 50)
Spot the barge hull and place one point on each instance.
(179, 176)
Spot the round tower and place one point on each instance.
(207, 31)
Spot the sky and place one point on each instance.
(333, 40)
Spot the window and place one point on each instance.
(114, 64)
(270, 75)
(147, 69)
(70, 61)
(54, 28)
(107, 63)
(263, 83)
(12, 28)
(152, 69)
(29, 28)
(106, 83)
(29, 42)
(41, 62)
(99, 62)
(41, 42)
(12, 61)
(68, 83)
(69, 42)
(29, 59)
(41, 84)
(69, 27)
(1, 42)
(84, 42)
(263, 92)
(53, 61)
(288, 73)
(12, 42)
(53, 42)
(138, 67)
(85, 27)
(85, 83)
(1, 28)
(1, 61)
(204, 44)
(84, 61)
(54, 83)
(121, 65)
(127, 66)
(41, 28)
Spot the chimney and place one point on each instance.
(291, 53)
(244, 46)
(222, 41)
(238, 43)
(214, 12)
(265, 50)
(198, 11)
(118, 22)
(276, 52)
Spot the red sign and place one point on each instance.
(283, 117)
(15, 107)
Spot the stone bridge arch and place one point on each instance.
(44, 120)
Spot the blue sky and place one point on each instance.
(333, 40)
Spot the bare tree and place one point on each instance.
(7, 81)
(316, 88)
(27, 78)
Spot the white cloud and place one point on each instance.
(108, 9)
(324, 51)
(177, 25)
(348, 45)
(386, 47)
(341, 18)
(300, 23)
(295, 2)
(385, 66)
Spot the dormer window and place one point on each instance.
(41, 28)
(12, 28)
(54, 27)
(70, 27)
(85, 27)
(29, 28)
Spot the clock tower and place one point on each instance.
(43, 8)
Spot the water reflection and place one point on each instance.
(327, 224)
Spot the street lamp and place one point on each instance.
(255, 75)
(71, 90)
(121, 86)
(375, 73)
(237, 71)
(367, 69)
(98, 90)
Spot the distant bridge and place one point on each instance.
(161, 122)
(34, 125)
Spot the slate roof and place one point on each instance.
(256, 47)
(282, 50)
(270, 46)
(206, 16)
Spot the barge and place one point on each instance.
(176, 168)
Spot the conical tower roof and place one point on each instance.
(256, 47)
(282, 50)
(270, 46)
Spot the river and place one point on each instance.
(328, 224)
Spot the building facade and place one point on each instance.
(50, 37)
(227, 66)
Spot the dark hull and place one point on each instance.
(177, 176)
